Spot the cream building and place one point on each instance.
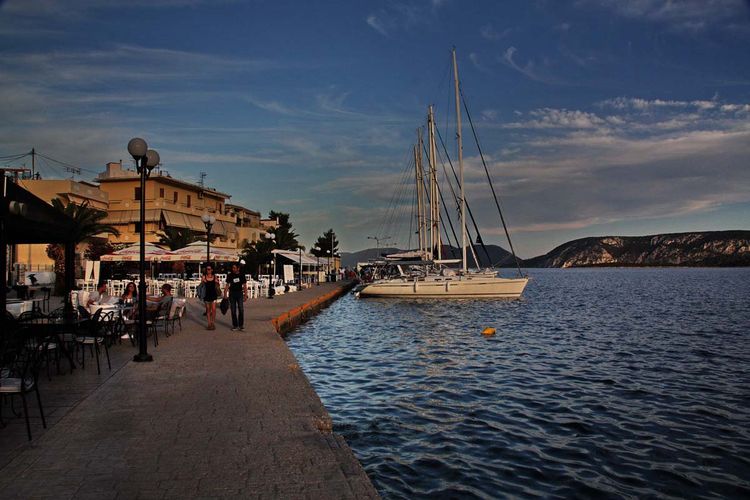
(248, 224)
(170, 202)
(34, 257)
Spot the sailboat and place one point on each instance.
(423, 273)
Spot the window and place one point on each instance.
(137, 194)
(161, 192)
(219, 207)
(175, 197)
(188, 201)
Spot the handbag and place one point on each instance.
(224, 305)
(200, 292)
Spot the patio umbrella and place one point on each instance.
(133, 252)
(196, 252)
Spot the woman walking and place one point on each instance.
(211, 284)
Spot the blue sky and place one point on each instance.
(595, 116)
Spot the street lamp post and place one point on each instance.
(377, 244)
(330, 275)
(272, 238)
(145, 160)
(317, 267)
(209, 221)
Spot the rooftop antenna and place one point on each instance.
(201, 182)
(73, 170)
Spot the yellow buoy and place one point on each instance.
(488, 331)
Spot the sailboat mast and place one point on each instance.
(437, 242)
(460, 163)
(420, 194)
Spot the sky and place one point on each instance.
(595, 117)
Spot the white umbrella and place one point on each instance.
(132, 253)
(196, 252)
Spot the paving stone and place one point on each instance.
(217, 414)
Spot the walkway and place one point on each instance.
(218, 414)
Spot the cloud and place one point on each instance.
(376, 24)
(530, 70)
(560, 118)
(488, 32)
(623, 103)
(687, 15)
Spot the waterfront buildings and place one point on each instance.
(33, 257)
(170, 202)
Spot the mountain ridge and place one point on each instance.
(729, 248)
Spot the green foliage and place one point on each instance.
(174, 237)
(87, 225)
(257, 254)
(98, 247)
(286, 238)
(87, 221)
(325, 243)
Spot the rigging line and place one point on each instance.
(489, 180)
(468, 208)
(394, 213)
(65, 164)
(388, 210)
(411, 217)
(444, 206)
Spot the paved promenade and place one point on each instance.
(218, 414)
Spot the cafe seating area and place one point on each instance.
(37, 347)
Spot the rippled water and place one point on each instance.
(618, 382)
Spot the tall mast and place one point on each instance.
(460, 163)
(435, 195)
(420, 147)
(420, 193)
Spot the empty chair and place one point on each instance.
(95, 337)
(19, 372)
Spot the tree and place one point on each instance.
(174, 237)
(286, 238)
(325, 243)
(87, 225)
(257, 254)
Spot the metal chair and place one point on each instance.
(19, 372)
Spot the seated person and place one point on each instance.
(152, 303)
(99, 296)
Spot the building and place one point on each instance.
(170, 202)
(33, 257)
(248, 224)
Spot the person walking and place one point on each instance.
(211, 283)
(236, 290)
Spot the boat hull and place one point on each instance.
(454, 287)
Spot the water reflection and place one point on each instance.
(601, 382)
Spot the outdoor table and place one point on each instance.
(18, 307)
(42, 327)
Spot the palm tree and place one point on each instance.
(87, 224)
(174, 237)
(87, 221)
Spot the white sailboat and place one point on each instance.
(426, 277)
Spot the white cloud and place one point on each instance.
(687, 15)
(376, 24)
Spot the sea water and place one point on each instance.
(599, 382)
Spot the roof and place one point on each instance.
(294, 256)
(36, 221)
(156, 176)
(230, 206)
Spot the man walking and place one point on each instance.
(236, 290)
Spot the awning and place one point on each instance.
(307, 260)
(176, 219)
(128, 216)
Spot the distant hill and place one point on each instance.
(710, 248)
(497, 255)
